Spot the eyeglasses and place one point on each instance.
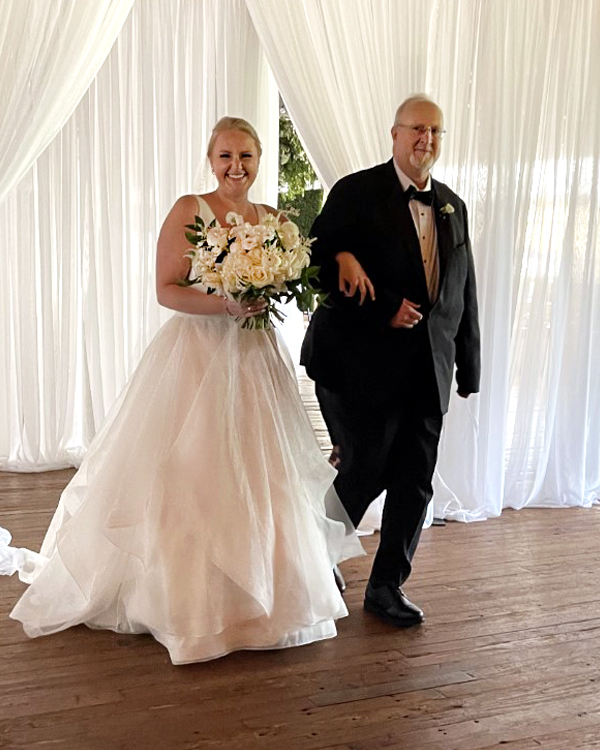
(421, 130)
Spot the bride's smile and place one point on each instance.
(234, 160)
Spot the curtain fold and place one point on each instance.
(78, 233)
(516, 84)
(341, 68)
(50, 55)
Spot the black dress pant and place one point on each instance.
(388, 446)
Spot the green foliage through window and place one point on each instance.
(298, 186)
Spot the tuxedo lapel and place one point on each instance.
(444, 234)
(443, 241)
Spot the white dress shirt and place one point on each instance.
(424, 221)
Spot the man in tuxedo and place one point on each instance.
(395, 257)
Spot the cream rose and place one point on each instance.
(289, 234)
(217, 237)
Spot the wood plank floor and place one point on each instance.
(509, 656)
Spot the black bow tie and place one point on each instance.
(423, 196)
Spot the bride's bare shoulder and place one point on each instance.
(185, 204)
(188, 200)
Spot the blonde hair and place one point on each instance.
(233, 123)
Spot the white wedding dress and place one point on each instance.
(199, 513)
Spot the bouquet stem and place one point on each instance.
(264, 320)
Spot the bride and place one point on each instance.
(203, 512)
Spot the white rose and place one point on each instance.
(231, 282)
(201, 262)
(234, 219)
(217, 237)
(252, 241)
(241, 265)
(260, 277)
(212, 280)
(272, 259)
(289, 234)
(236, 247)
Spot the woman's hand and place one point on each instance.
(352, 277)
(245, 309)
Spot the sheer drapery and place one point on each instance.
(341, 67)
(50, 55)
(78, 233)
(516, 82)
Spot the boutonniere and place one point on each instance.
(447, 209)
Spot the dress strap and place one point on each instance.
(205, 212)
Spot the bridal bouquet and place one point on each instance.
(248, 262)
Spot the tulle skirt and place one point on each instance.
(203, 512)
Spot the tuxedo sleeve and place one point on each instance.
(468, 355)
(331, 234)
(339, 228)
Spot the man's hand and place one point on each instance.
(407, 316)
(352, 277)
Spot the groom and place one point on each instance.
(383, 361)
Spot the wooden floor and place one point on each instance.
(509, 656)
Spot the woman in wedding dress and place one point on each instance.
(199, 513)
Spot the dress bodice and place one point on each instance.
(205, 212)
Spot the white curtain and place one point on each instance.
(518, 86)
(78, 232)
(51, 51)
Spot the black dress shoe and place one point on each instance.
(339, 579)
(390, 604)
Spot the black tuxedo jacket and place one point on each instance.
(352, 349)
